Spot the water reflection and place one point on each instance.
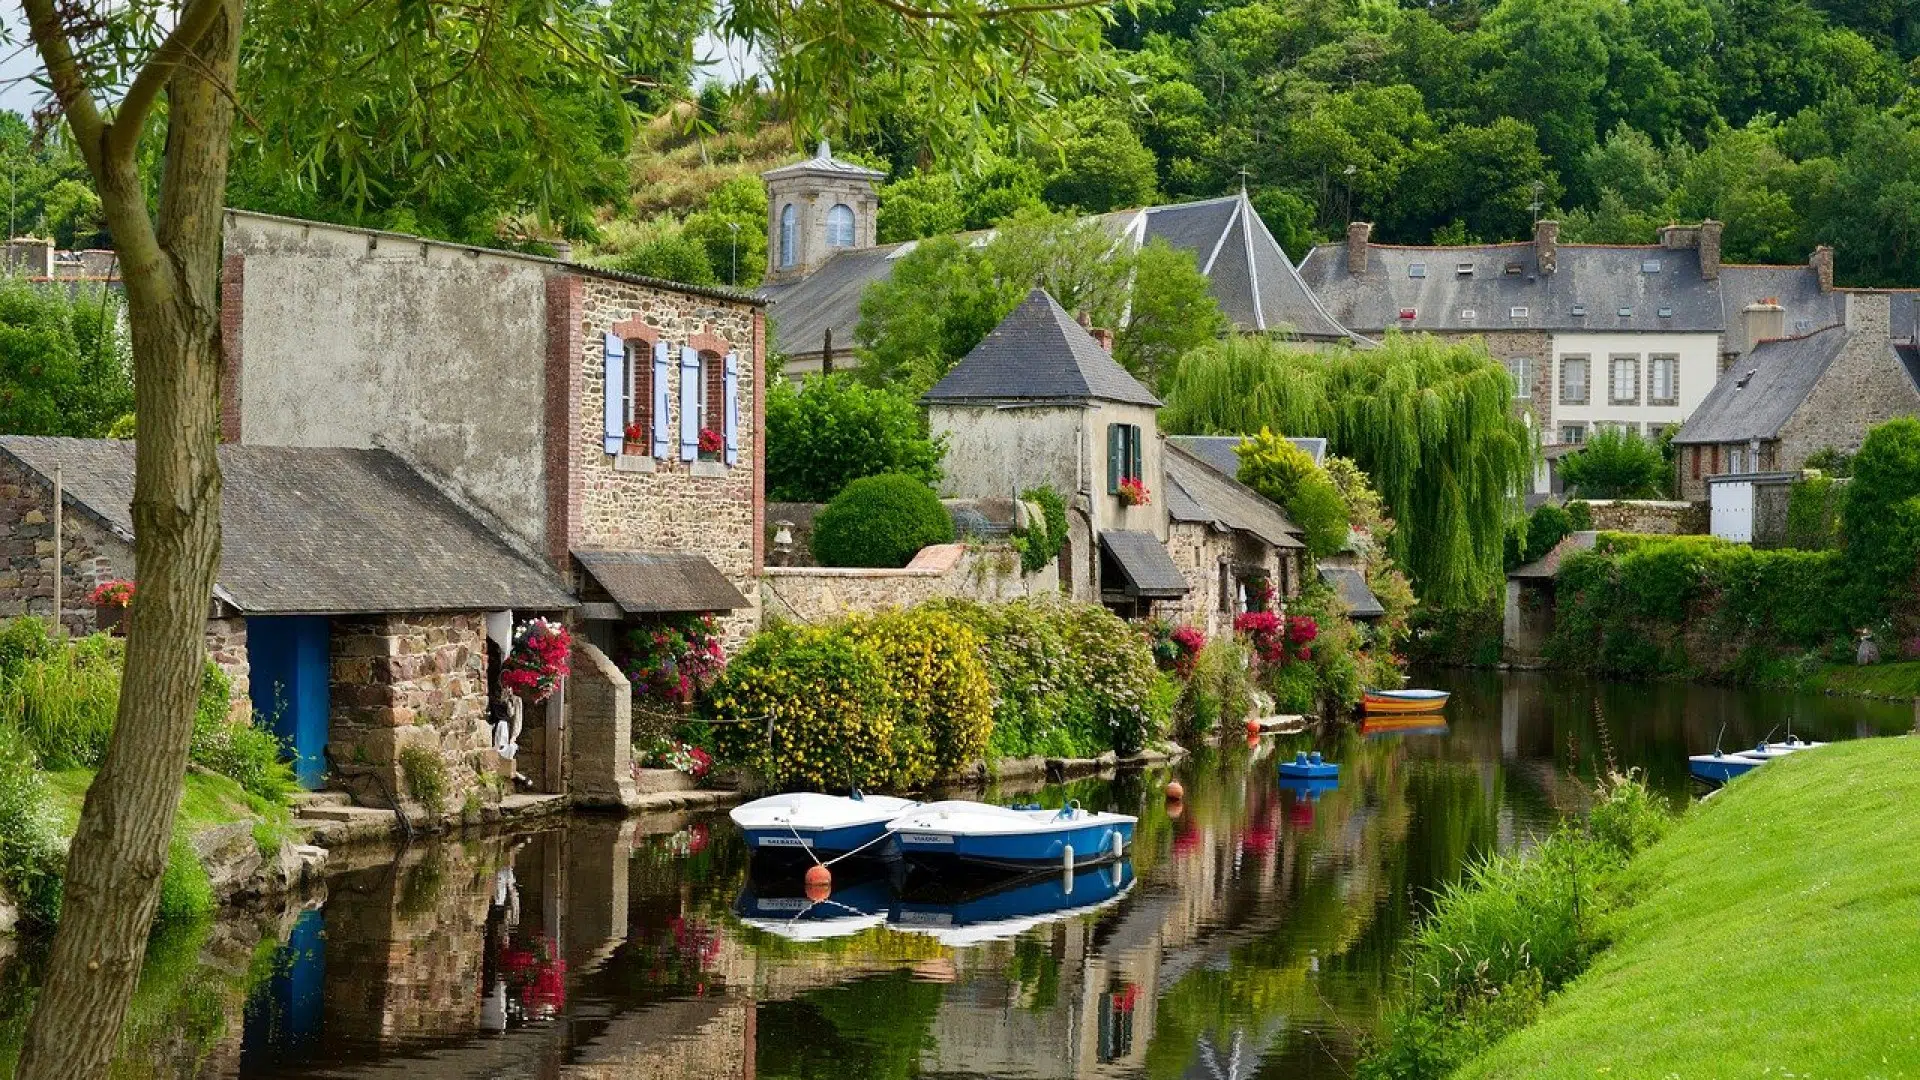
(1253, 933)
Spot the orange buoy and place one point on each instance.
(1253, 727)
(1175, 792)
(819, 882)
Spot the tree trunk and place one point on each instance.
(171, 269)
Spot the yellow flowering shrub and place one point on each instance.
(937, 679)
(814, 712)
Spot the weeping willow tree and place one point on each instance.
(1430, 422)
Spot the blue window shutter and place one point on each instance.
(1113, 459)
(689, 404)
(662, 401)
(616, 387)
(733, 408)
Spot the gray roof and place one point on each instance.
(653, 582)
(313, 530)
(1038, 353)
(1146, 570)
(823, 161)
(1548, 565)
(1208, 496)
(1355, 596)
(1218, 450)
(1602, 279)
(1755, 397)
(1248, 274)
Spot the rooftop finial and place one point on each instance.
(825, 153)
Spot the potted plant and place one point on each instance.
(1133, 492)
(538, 661)
(711, 444)
(111, 599)
(636, 440)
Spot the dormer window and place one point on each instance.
(1464, 269)
(1626, 313)
(1579, 311)
(1417, 270)
(1517, 312)
(1666, 313)
(1650, 266)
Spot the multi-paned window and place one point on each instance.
(1573, 434)
(637, 394)
(789, 234)
(1573, 380)
(713, 390)
(1623, 380)
(1663, 379)
(1123, 455)
(840, 226)
(1520, 369)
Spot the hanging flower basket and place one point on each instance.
(110, 600)
(539, 660)
(1134, 493)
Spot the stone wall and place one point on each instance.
(227, 647)
(1198, 551)
(1653, 517)
(1536, 347)
(411, 680)
(638, 502)
(1864, 386)
(988, 573)
(90, 553)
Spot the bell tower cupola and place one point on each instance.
(816, 208)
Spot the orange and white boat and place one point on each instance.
(1391, 702)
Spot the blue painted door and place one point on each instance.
(289, 677)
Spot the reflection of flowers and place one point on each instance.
(1125, 998)
(689, 841)
(537, 975)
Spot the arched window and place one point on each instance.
(789, 221)
(840, 226)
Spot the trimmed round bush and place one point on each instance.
(938, 681)
(880, 521)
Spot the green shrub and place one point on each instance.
(937, 681)
(425, 774)
(1271, 465)
(1040, 543)
(23, 639)
(1295, 689)
(1881, 517)
(32, 855)
(65, 700)
(185, 890)
(249, 755)
(1546, 527)
(837, 429)
(1579, 515)
(1457, 637)
(880, 521)
(1628, 817)
(810, 708)
(1615, 464)
(1813, 513)
(1220, 691)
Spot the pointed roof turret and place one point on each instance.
(1039, 353)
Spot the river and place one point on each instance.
(1253, 932)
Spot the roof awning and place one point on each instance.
(1146, 570)
(1355, 596)
(661, 582)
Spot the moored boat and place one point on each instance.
(1388, 702)
(1010, 836)
(823, 824)
(1719, 768)
(1308, 766)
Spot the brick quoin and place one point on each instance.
(562, 405)
(707, 341)
(636, 329)
(759, 441)
(232, 298)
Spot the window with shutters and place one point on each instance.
(1573, 380)
(1623, 385)
(1123, 455)
(1663, 380)
(637, 401)
(711, 404)
(840, 226)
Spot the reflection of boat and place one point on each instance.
(822, 823)
(1380, 727)
(1719, 768)
(1381, 702)
(849, 910)
(1011, 836)
(1307, 766)
(1012, 907)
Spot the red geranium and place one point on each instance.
(635, 433)
(113, 594)
(539, 660)
(1133, 492)
(711, 441)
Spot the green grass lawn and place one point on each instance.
(1896, 680)
(1775, 932)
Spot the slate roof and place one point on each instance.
(1548, 565)
(1146, 569)
(1197, 492)
(319, 531)
(1217, 450)
(1602, 279)
(1038, 353)
(657, 582)
(1355, 596)
(1754, 398)
(1248, 273)
(823, 161)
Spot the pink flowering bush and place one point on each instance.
(675, 660)
(1134, 493)
(538, 661)
(1271, 634)
(674, 754)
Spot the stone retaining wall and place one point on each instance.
(89, 555)
(1652, 517)
(989, 574)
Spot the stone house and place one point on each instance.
(353, 608)
(1594, 336)
(823, 252)
(1794, 395)
(1041, 402)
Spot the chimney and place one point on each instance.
(1357, 234)
(1822, 264)
(1710, 249)
(1679, 237)
(1870, 315)
(562, 250)
(1085, 320)
(1766, 320)
(30, 256)
(1546, 245)
(1102, 335)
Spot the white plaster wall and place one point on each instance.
(1108, 513)
(995, 453)
(357, 339)
(1699, 367)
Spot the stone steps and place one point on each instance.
(304, 800)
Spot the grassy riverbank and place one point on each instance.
(1773, 931)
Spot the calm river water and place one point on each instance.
(1252, 934)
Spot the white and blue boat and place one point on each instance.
(1013, 907)
(804, 821)
(1308, 766)
(1718, 768)
(1013, 837)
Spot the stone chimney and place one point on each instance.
(1710, 248)
(30, 256)
(1870, 315)
(1822, 264)
(1766, 320)
(1102, 335)
(1546, 245)
(1358, 233)
(1679, 237)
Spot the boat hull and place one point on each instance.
(1721, 768)
(836, 841)
(1401, 703)
(1091, 843)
